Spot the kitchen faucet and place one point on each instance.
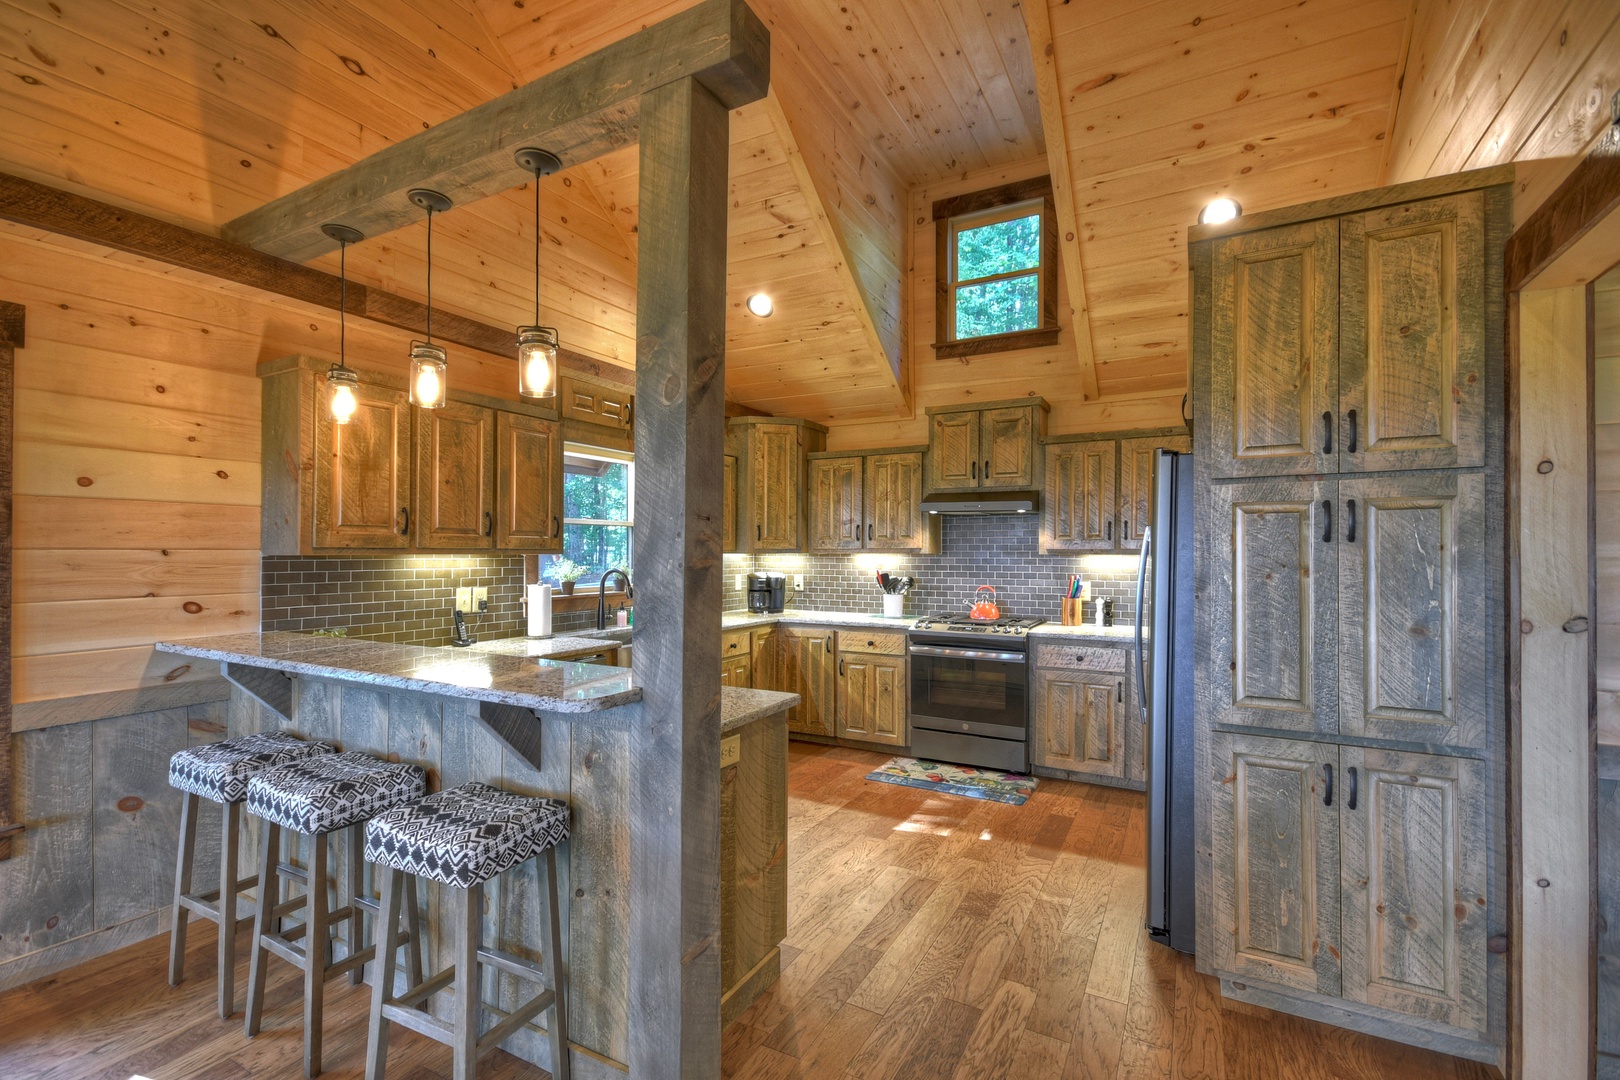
(601, 596)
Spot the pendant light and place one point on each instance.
(428, 361)
(341, 380)
(537, 345)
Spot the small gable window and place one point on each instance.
(996, 266)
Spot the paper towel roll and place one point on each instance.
(538, 598)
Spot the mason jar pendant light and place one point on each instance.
(341, 380)
(537, 345)
(428, 361)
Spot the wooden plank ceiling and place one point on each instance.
(202, 111)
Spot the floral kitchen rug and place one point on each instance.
(964, 780)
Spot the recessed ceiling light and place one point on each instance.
(761, 305)
(1221, 210)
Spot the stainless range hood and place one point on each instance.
(983, 502)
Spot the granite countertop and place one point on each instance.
(513, 671)
(546, 685)
(743, 620)
(1117, 634)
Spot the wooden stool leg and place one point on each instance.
(357, 925)
(316, 932)
(556, 965)
(413, 923)
(269, 895)
(182, 885)
(229, 825)
(383, 990)
(464, 1015)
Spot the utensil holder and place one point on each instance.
(1073, 612)
(894, 605)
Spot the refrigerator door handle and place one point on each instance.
(1141, 582)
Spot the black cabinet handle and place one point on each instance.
(869, 530)
(828, 643)
(1327, 433)
(1352, 787)
(1327, 522)
(759, 531)
(1352, 446)
(1350, 528)
(840, 667)
(556, 526)
(1119, 691)
(404, 521)
(975, 468)
(987, 468)
(1327, 795)
(489, 523)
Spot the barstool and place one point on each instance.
(463, 837)
(220, 771)
(316, 797)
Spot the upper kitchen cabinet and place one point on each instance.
(771, 463)
(1352, 343)
(475, 475)
(992, 447)
(597, 414)
(870, 502)
(1136, 483)
(728, 505)
(1099, 491)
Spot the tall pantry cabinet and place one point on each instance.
(1348, 407)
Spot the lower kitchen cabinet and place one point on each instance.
(872, 688)
(737, 659)
(1354, 873)
(1080, 719)
(806, 665)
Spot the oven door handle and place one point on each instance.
(969, 654)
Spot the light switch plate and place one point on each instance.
(798, 583)
(464, 601)
(742, 579)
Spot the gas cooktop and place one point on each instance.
(950, 623)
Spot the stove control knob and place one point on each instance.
(1018, 629)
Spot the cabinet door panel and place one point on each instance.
(1136, 484)
(1276, 862)
(1414, 652)
(1412, 330)
(1079, 721)
(1274, 351)
(1415, 884)
(836, 521)
(1269, 613)
(455, 477)
(855, 677)
(1080, 497)
(810, 673)
(728, 506)
(893, 500)
(1007, 446)
(953, 451)
(888, 709)
(776, 474)
(529, 496)
(362, 472)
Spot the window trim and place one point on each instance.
(600, 453)
(977, 208)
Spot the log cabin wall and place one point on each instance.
(136, 382)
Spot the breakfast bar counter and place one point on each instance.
(539, 726)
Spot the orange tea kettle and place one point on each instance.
(984, 607)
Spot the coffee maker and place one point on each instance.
(767, 592)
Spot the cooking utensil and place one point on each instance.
(984, 607)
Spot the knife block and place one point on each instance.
(1073, 611)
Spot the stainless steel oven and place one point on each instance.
(969, 700)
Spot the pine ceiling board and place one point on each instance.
(1004, 22)
(463, 21)
(948, 71)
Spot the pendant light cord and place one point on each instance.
(430, 278)
(343, 303)
(537, 247)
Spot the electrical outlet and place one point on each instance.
(464, 601)
(741, 581)
(798, 583)
(481, 599)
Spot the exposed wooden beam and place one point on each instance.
(41, 206)
(675, 744)
(1038, 26)
(578, 112)
(737, 408)
(832, 236)
(1578, 205)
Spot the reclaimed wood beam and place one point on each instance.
(1038, 28)
(40, 206)
(578, 112)
(837, 244)
(11, 339)
(1575, 208)
(675, 746)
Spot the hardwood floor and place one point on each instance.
(929, 937)
(932, 936)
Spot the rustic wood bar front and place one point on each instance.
(543, 727)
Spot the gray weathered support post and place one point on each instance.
(11, 339)
(675, 749)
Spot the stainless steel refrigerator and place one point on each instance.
(1164, 659)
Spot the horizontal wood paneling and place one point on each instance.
(66, 574)
(101, 671)
(111, 524)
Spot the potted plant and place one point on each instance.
(567, 571)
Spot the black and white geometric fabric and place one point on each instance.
(467, 834)
(326, 793)
(221, 770)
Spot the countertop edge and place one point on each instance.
(746, 706)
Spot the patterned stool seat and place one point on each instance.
(323, 794)
(466, 835)
(221, 770)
